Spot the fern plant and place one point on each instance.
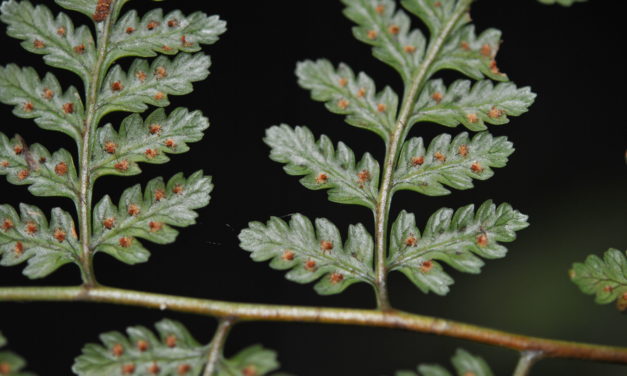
(311, 250)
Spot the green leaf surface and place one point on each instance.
(312, 253)
(170, 351)
(453, 163)
(156, 33)
(150, 84)
(253, 360)
(148, 215)
(389, 31)
(46, 174)
(348, 94)
(147, 141)
(324, 166)
(63, 45)
(473, 106)
(88, 7)
(452, 237)
(11, 364)
(42, 100)
(28, 236)
(565, 3)
(604, 277)
(465, 364)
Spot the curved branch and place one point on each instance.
(362, 317)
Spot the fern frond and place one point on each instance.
(604, 277)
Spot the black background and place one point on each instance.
(568, 174)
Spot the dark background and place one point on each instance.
(568, 174)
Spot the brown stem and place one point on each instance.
(362, 317)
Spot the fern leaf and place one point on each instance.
(454, 163)
(253, 360)
(604, 277)
(46, 174)
(324, 166)
(42, 100)
(29, 237)
(11, 364)
(172, 351)
(565, 3)
(388, 30)
(89, 7)
(147, 141)
(464, 363)
(455, 238)
(164, 34)
(473, 106)
(148, 217)
(312, 253)
(350, 95)
(63, 45)
(146, 84)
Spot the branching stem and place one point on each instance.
(526, 361)
(216, 347)
(362, 317)
(384, 200)
(85, 149)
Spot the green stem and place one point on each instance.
(362, 317)
(84, 204)
(216, 347)
(386, 192)
(526, 361)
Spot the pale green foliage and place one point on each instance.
(464, 364)
(604, 277)
(147, 141)
(110, 149)
(147, 36)
(171, 351)
(149, 84)
(324, 166)
(46, 174)
(445, 162)
(453, 237)
(471, 105)
(11, 364)
(565, 3)
(148, 215)
(350, 95)
(60, 41)
(28, 236)
(171, 348)
(312, 253)
(255, 360)
(41, 100)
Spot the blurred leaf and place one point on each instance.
(388, 30)
(148, 141)
(254, 360)
(565, 3)
(606, 278)
(453, 238)
(11, 364)
(452, 163)
(155, 33)
(146, 84)
(172, 351)
(312, 253)
(148, 217)
(325, 167)
(355, 97)
(471, 106)
(465, 364)
(42, 100)
(46, 174)
(63, 46)
(28, 236)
